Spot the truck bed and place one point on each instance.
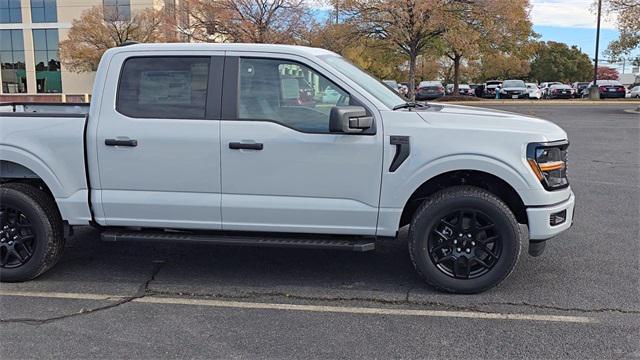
(47, 141)
(39, 109)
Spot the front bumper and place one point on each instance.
(539, 217)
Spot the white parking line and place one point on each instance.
(308, 308)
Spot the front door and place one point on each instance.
(158, 142)
(282, 170)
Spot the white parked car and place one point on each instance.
(534, 91)
(635, 92)
(544, 87)
(171, 150)
(463, 89)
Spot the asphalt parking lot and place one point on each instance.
(580, 300)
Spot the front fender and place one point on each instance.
(424, 173)
(400, 185)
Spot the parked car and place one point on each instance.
(169, 150)
(490, 88)
(579, 88)
(305, 92)
(513, 89)
(533, 91)
(392, 84)
(333, 96)
(463, 89)
(635, 92)
(404, 89)
(429, 90)
(544, 87)
(610, 89)
(479, 90)
(559, 91)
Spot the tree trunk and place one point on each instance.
(456, 74)
(412, 75)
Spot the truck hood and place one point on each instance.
(470, 118)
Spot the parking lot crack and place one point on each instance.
(143, 290)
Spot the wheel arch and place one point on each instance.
(481, 179)
(19, 165)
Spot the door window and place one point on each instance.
(288, 93)
(164, 88)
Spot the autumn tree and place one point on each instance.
(555, 61)
(607, 73)
(406, 27)
(93, 33)
(337, 37)
(255, 21)
(627, 14)
(491, 28)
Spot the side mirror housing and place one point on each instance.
(349, 119)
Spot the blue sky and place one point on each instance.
(584, 38)
(573, 22)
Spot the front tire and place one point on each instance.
(464, 239)
(31, 232)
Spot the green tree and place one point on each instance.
(553, 61)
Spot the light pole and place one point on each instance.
(594, 92)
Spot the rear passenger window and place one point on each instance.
(164, 87)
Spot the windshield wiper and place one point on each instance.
(409, 105)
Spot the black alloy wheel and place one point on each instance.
(464, 239)
(31, 232)
(465, 244)
(17, 238)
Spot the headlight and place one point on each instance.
(549, 162)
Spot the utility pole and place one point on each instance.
(594, 92)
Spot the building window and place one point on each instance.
(10, 11)
(43, 11)
(14, 75)
(117, 10)
(45, 45)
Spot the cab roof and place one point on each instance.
(276, 48)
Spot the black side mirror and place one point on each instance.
(349, 119)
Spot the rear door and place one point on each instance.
(282, 170)
(158, 141)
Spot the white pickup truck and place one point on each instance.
(274, 145)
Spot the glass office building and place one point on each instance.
(30, 35)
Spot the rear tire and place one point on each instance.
(31, 232)
(464, 239)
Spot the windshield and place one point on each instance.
(376, 88)
(513, 83)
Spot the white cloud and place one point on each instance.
(566, 13)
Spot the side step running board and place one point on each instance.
(302, 241)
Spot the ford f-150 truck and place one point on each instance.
(220, 143)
